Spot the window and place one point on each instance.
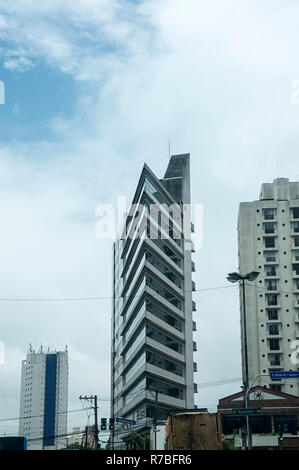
(288, 423)
(158, 312)
(269, 242)
(295, 211)
(272, 314)
(271, 285)
(269, 227)
(272, 299)
(164, 363)
(277, 388)
(163, 339)
(270, 270)
(163, 269)
(270, 256)
(296, 255)
(165, 388)
(269, 214)
(165, 293)
(296, 241)
(273, 329)
(274, 359)
(274, 344)
(296, 268)
(295, 226)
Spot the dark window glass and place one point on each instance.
(163, 339)
(295, 211)
(270, 270)
(272, 299)
(274, 344)
(269, 242)
(269, 214)
(272, 314)
(269, 227)
(273, 329)
(164, 363)
(270, 256)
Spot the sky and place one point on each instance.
(93, 90)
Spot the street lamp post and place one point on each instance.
(236, 277)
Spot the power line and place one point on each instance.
(75, 299)
(40, 416)
(218, 383)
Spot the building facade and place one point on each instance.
(44, 400)
(152, 326)
(278, 412)
(268, 231)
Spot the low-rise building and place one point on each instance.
(278, 412)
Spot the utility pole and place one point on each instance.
(156, 417)
(94, 399)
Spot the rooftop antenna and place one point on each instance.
(277, 168)
(169, 148)
(30, 348)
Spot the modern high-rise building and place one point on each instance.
(152, 326)
(44, 400)
(268, 232)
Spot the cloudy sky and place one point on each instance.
(95, 88)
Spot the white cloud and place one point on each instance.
(19, 64)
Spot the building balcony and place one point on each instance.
(160, 348)
(194, 306)
(194, 328)
(146, 395)
(275, 365)
(165, 281)
(164, 374)
(194, 346)
(271, 276)
(193, 286)
(163, 302)
(162, 325)
(194, 366)
(273, 336)
(193, 266)
(275, 351)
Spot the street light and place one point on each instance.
(235, 277)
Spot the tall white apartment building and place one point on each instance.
(152, 326)
(268, 231)
(44, 400)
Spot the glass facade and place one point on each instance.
(163, 363)
(171, 343)
(163, 315)
(163, 292)
(165, 388)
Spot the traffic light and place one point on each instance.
(111, 424)
(280, 433)
(103, 424)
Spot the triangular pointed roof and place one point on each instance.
(269, 394)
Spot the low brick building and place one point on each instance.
(278, 411)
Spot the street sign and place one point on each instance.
(287, 374)
(247, 411)
(127, 426)
(125, 420)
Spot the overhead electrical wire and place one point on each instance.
(80, 299)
